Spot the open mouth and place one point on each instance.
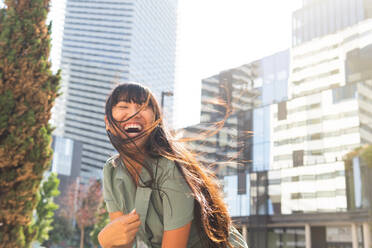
(133, 129)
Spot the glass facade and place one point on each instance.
(243, 144)
(294, 186)
(261, 139)
(238, 205)
(286, 238)
(309, 114)
(272, 82)
(319, 18)
(62, 156)
(66, 157)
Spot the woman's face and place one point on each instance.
(138, 124)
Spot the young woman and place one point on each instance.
(156, 192)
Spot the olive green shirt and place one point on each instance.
(169, 206)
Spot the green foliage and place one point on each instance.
(62, 232)
(46, 207)
(7, 102)
(364, 152)
(348, 159)
(41, 224)
(366, 155)
(103, 219)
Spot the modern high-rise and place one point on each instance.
(318, 18)
(66, 163)
(287, 184)
(56, 16)
(314, 109)
(242, 148)
(106, 42)
(327, 115)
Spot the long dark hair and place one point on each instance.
(210, 209)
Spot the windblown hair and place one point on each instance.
(210, 209)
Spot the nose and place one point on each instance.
(133, 110)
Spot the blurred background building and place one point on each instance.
(104, 43)
(318, 18)
(56, 16)
(287, 184)
(66, 163)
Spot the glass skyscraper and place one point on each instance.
(318, 18)
(287, 184)
(106, 42)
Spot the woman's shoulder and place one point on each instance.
(113, 161)
(110, 165)
(165, 164)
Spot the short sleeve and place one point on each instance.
(178, 202)
(108, 196)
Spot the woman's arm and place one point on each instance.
(176, 237)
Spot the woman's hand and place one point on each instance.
(121, 231)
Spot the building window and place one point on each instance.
(223, 139)
(316, 136)
(242, 179)
(298, 158)
(343, 93)
(282, 111)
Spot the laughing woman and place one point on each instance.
(157, 194)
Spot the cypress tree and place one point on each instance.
(27, 92)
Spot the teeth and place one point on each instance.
(133, 126)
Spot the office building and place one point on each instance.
(318, 18)
(56, 16)
(66, 163)
(313, 109)
(327, 115)
(240, 152)
(105, 42)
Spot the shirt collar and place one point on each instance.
(123, 173)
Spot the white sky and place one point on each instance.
(216, 35)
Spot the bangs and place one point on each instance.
(130, 93)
